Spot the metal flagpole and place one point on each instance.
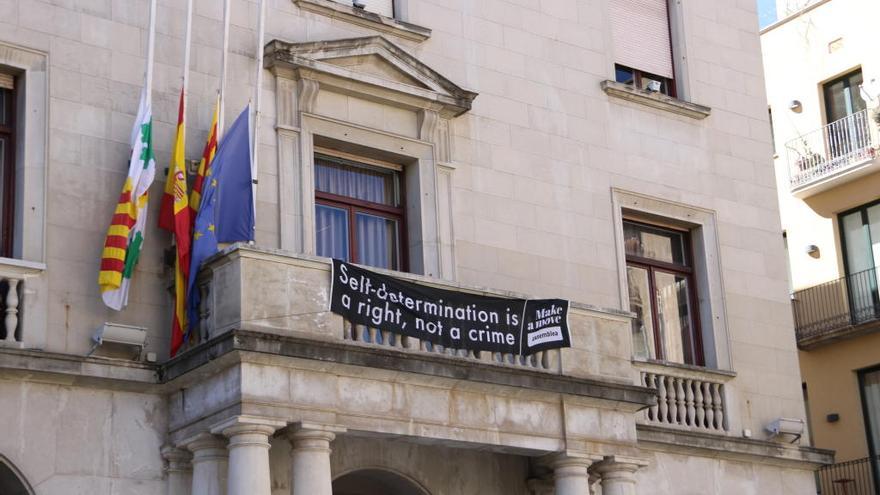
(223, 65)
(151, 47)
(261, 30)
(186, 50)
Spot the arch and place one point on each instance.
(12, 482)
(376, 481)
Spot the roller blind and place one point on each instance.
(7, 81)
(640, 33)
(381, 7)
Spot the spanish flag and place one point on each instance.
(195, 197)
(174, 216)
(125, 237)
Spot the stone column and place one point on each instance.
(618, 475)
(310, 459)
(570, 475)
(248, 454)
(179, 469)
(210, 460)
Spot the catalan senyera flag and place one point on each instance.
(125, 237)
(195, 197)
(174, 216)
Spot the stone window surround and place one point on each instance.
(702, 224)
(394, 26)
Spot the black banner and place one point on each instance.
(448, 318)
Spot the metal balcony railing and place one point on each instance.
(849, 478)
(827, 308)
(829, 149)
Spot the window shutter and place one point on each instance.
(7, 81)
(640, 33)
(381, 7)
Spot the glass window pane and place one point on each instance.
(377, 243)
(331, 232)
(5, 107)
(623, 75)
(640, 301)
(871, 397)
(674, 317)
(858, 243)
(654, 243)
(367, 184)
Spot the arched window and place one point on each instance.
(11, 480)
(375, 482)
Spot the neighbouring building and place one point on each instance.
(615, 153)
(822, 70)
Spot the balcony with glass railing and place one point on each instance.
(837, 309)
(832, 155)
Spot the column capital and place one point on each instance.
(613, 466)
(178, 459)
(244, 425)
(312, 436)
(569, 459)
(206, 446)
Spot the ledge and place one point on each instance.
(361, 17)
(732, 448)
(11, 267)
(625, 396)
(655, 100)
(683, 370)
(68, 369)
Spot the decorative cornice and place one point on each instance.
(655, 100)
(365, 18)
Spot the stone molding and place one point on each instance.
(662, 439)
(655, 100)
(361, 17)
(178, 459)
(237, 427)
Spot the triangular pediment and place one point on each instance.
(370, 61)
(378, 66)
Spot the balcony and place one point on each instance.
(846, 307)
(832, 155)
(849, 478)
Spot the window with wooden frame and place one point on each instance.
(7, 162)
(662, 293)
(642, 45)
(359, 212)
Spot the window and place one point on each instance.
(860, 240)
(643, 45)
(7, 163)
(381, 7)
(659, 270)
(869, 383)
(842, 96)
(359, 214)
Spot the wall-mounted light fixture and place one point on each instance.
(795, 106)
(812, 250)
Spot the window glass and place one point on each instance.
(331, 232)
(857, 239)
(654, 243)
(871, 403)
(674, 316)
(624, 75)
(377, 241)
(358, 182)
(842, 96)
(5, 107)
(640, 302)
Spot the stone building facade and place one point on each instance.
(534, 149)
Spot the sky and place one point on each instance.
(766, 12)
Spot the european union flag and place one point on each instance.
(226, 212)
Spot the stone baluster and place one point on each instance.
(698, 400)
(310, 458)
(11, 321)
(248, 454)
(179, 470)
(672, 397)
(689, 398)
(651, 382)
(681, 401)
(661, 399)
(718, 408)
(358, 333)
(710, 412)
(347, 330)
(389, 339)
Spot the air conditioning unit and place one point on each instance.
(116, 333)
(786, 426)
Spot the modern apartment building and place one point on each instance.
(614, 153)
(822, 72)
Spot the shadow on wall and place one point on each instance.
(373, 482)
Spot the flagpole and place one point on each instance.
(261, 34)
(186, 51)
(151, 47)
(223, 66)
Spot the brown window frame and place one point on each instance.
(686, 271)
(7, 176)
(353, 206)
